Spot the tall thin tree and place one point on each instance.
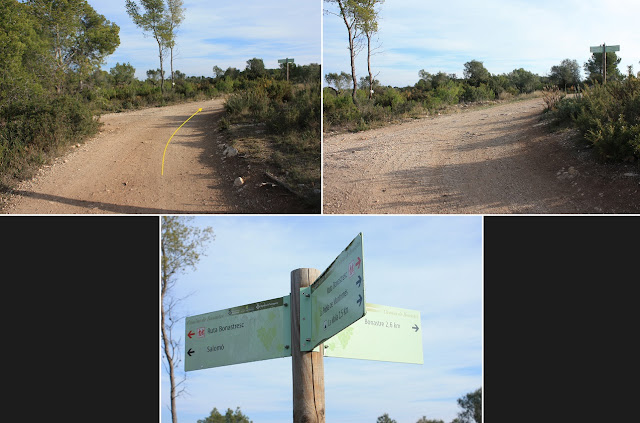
(175, 16)
(368, 17)
(181, 248)
(153, 21)
(349, 12)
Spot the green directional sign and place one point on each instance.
(607, 49)
(384, 334)
(335, 300)
(287, 60)
(252, 332)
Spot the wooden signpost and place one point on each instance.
(604, 49)
(287, 61)
(321, 307)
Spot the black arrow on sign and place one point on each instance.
(359, 300)
(359, 281)
(190, 352)
(415, 327)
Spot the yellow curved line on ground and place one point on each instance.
(174, 132)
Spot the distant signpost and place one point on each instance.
(287, 61)
(604, 49)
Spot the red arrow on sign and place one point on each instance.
(358, 263)
(190, 334)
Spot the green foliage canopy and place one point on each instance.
(229, 417)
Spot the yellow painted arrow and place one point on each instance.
(165, 148)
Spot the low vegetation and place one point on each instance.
(283, 118)
(608, 117)
(433, 93)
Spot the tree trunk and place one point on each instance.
(369, 65)
(353, 66)
(173, 81)
(161, 67)
(166, 342)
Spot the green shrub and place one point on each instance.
(608, 117)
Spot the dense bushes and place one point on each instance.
(608, 116)
(31, 129)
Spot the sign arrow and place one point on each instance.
(358, 263)
(190, 352)
(415, 327)
(359, 300)
(359, 281)
(190, 334)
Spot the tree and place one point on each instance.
(593, 67)
(229, 417)
(175, 16)
(217, 72)
(476, 73)
(385, 419)
(154, 22)
(181, 248)
(368, 17)
(22, 70)
(255, 68)
(122, 74)
(524, 81)
(155, 75)
(80, 38)
(566, 74)
(471, 405)
(349, 14)
(339, 81)
(425, 420)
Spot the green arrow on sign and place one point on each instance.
(385, 334)
(252, 332)
(335, 300)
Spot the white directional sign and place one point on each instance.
(335, 300)
(384, 334)
(252, 332)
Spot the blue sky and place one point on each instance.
(226, 34)
(430, 264)
(504, 34)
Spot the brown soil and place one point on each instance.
(119, 171)
(502, 159)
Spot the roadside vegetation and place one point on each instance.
(433, 93)
(607, 116)
(277, 122)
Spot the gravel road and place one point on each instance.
(119, 170)
(500, 159)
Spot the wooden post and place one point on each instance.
(287, 59)
(307, 367)
(604, 63)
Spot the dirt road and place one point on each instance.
(501, 159)
(119, 170)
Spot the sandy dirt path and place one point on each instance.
(501, 159)
(119, 170)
